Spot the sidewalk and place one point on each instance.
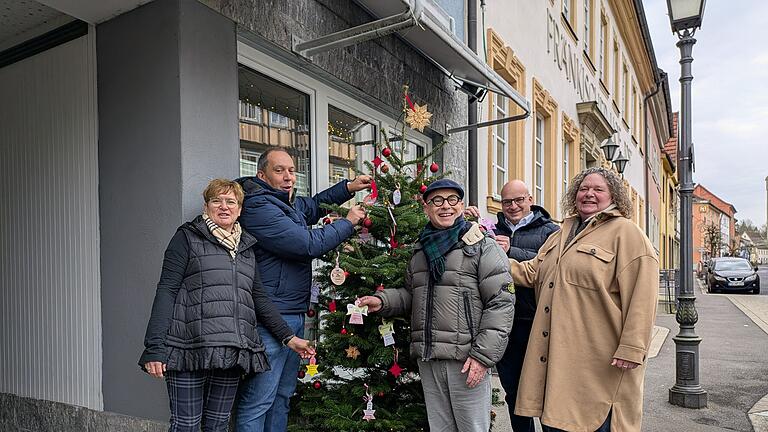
(733, 368)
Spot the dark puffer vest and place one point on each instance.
(206, 307)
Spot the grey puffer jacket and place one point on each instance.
(468, 312)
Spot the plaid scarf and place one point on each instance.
(229, 240)
(438, 242)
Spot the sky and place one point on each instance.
(729, 97)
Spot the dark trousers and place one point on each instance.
(606, 427)
(510, 367)
(204, 396)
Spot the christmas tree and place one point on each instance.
(362, 378)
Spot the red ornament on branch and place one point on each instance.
(343, 331)
(367, 222)
(384, 168)
(332, 306)
(327, 220)
(311, 313)
(317, 385)
(434, 167)
(423, 188)
(302, 374)
(380, 287)
(386, 152)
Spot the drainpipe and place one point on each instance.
(472, 109)
(657, 86)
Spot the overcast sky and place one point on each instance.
(729, 97)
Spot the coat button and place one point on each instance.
(545, 334)
(543, 359)
(593, 251)
(546, 309)
(551, 284)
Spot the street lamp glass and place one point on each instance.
(621, 163)
(609, 149)
(685, 14)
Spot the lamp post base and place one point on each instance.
(689, 397)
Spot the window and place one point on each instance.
(287, 111)
(633, 114)
(616, 69)
(350, 142)
(603, 61)
(588, 27)
(566, 167)
(500, 141)
(567, 9)
(538, 181)
(623, 92)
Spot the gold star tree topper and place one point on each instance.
(418, 117)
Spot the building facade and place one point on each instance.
(714, 226)
(117, 114)
(589, 70)
(669, 232)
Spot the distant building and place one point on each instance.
(709, 209)
(754, 246)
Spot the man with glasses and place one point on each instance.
(521, 229)
(286, 246)
(459, 296)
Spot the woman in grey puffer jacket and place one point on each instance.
(459, 293)
(202, 336)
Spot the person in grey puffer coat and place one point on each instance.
(460, 296)
(202, 334)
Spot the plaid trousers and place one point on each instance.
(205, 395)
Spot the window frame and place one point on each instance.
(500, 167)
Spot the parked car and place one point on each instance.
(732, 274)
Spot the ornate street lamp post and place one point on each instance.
(685, 17)
(620, 163)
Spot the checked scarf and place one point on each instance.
(438, 242)
(229, 240)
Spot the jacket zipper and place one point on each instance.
(468, 314)
(428, 323)
(236, 306)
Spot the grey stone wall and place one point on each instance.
(378, 68)
(24, 414)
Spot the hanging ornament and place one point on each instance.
(317, 385)
(384, 168)
(418, 117)
(338, 276)
(332, 306)
(302, 374)
(392, 242)
(314, 292)
(367, 222)
(397, 195)
(348, 248)
(387, 331)
(386, 151)
(395, 370)
(370, 199)
(343, 330)
(327, 220)
(352, 352)
(377, 161)
(423, 188)
(312, 366)
(488, 225)
(368, 412)
(380, 394)
(346, 274)
(434, 167)
(356, 313)
(311, 313)
(380, 287)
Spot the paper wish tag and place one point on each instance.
(356, 313)
(314, 292)
(387, 331)
(488, 225)
(397, 195)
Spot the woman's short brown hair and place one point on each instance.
(221, 186)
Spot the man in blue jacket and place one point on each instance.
(521, 229)
(286, 246)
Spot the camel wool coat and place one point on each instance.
(596, 300)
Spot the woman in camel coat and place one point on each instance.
(596, 283)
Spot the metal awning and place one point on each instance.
(422, 25)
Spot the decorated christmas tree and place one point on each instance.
(362, 378)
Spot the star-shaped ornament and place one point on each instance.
(418, 117)
(396, 370)
(368, 414)
(352, 352)
(311, 369)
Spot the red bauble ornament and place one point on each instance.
(367, 222)
(346, 273)
(434, 167)
(381, 394)
(384, 168)
(380, 287)
(311, 313)
(317, 385)
(332, 306)
(386, 151)
(343, 330)
(326, 220)
(302, 374)
(423, 188)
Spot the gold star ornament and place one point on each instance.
(352, 352)
(418, 117)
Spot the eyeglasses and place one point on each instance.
(517, 201)
(439, 200)
(216, 202)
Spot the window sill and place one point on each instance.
(604, 88)
(569, 28)
(588, 60)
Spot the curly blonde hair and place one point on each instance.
(619, 195)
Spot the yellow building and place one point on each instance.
(669, 229)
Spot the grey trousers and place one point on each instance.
(451, 405)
